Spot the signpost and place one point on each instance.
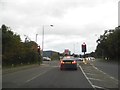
(66, 52)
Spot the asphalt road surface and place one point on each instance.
(109, 67)
(48, 75)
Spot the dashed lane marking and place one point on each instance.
(36, 76)
(104, 73)
(39, 74)
(94, 86)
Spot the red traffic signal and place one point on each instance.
(38, 48)
(83, 47)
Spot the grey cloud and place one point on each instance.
(27, 17)
(119, 13)
(55, 8)
(34, 12)
(66, 30)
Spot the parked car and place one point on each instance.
(46, 59)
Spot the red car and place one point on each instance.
(68, 63)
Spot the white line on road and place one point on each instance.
(36, 76)
(104, 73)
(94, 86)
(100, 87)
(86, 77)
(95, 79)
(90, 74)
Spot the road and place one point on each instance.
(48, 75)
(109, 67)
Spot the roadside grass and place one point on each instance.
(106, 60)
(13, 68)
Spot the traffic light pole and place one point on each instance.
(84, 50)
(84, 55)
(39, 55)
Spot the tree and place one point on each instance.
(109, 44)
(16, 52)
(10, 44)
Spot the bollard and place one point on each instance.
(84, 61)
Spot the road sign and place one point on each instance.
(67, 52)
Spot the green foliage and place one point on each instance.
(109, 44)
(16, 52)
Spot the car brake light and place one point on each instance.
(62, 62)
(74, 62)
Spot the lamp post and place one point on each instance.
(38, 50)
(43, 39)
(36, 38)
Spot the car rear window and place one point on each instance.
(68, 60)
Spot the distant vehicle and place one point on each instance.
(68, 63)
(91, 58)
(46, 59)
(78, 59)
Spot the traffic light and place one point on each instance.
(38, 49)
(83, 47)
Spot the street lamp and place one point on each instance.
(36, 38)
(43, 40)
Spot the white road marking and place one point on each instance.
(104, 73)
(99, 87)
(90, 74)
(36, 76)
(86, 77)
(95, 79)
(94, 86)
(39, 74)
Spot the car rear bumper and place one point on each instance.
(68, 66)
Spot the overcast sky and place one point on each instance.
(75, 21)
